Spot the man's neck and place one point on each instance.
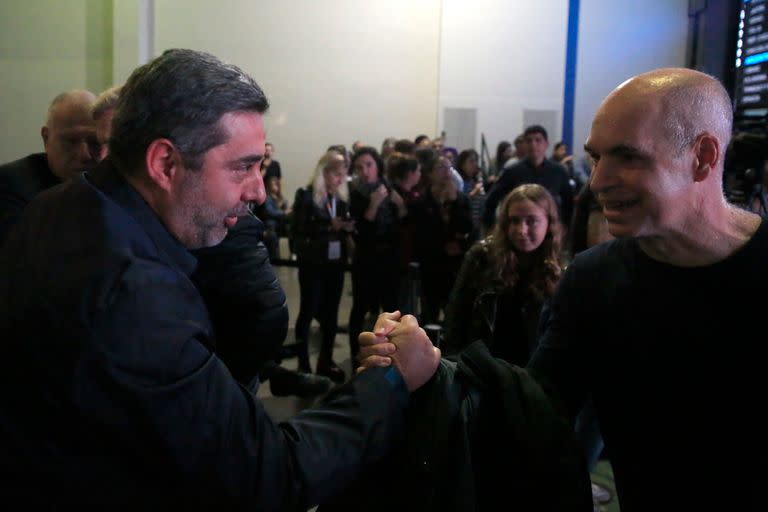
(704, 240)
(536, 163)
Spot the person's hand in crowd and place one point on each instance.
(396, 198)
(336, 223)
(402, 343)
(348, 225)
(378, 195)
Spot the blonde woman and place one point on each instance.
(321, 226)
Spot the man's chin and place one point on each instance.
(209, 239)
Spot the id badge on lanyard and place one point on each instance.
(334, 246)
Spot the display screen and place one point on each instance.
(752, 56)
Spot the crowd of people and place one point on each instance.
(139, 309)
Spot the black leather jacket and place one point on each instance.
(473, 308)
(245, 300)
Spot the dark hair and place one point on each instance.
(420, 138)
(500, 150)
(462, 159)
(400, 165)
(368, 150)
(181, 95)
(559, 145)
(405, 146)
(536, 128)
(427, 158)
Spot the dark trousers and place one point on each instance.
(435, 289)
(320, 287)
(374, 287)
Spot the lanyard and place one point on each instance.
(331, 205)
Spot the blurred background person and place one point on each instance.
(274, 213)
(404, 173)
(376, 209)
(321, 226)
(504, 151)
(69, 139)
(269, 166)
(473, 187)
(441, 227)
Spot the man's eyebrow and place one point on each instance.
(624, 151)
(247, 160)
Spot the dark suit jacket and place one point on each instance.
(111, 395)
(20, 181)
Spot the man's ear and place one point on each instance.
(44, 133)
(707, 156)
(163, 162)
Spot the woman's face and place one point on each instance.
(366, 169)
(528, 225)
(334, 175)
(470, 166)
(442, 171)
(274, 186)
(412, 178)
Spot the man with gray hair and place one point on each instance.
(658, 325)
(111, 394)
(69, 139)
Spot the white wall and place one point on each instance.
(340, 70)
(502, 57)
(46, 48)
(334, 71)
(618, 40)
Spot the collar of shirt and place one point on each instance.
(109, 181)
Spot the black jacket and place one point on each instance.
(311, 229)
(20, 181)
(481, 435)
(244, 298)
(111, 395)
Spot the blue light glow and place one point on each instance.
(756, 59)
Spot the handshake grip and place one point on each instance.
(400, 341)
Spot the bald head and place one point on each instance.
(683, 103)
(69, 134)
(658, 142)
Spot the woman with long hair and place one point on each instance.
(321, 226)
(507, 278)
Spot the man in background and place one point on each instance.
(69, 139)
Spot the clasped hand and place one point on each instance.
(399, 340)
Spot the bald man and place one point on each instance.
(662, 325)
(69, 139)
(658, 324)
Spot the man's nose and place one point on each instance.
(254, 189)
(601, 177)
